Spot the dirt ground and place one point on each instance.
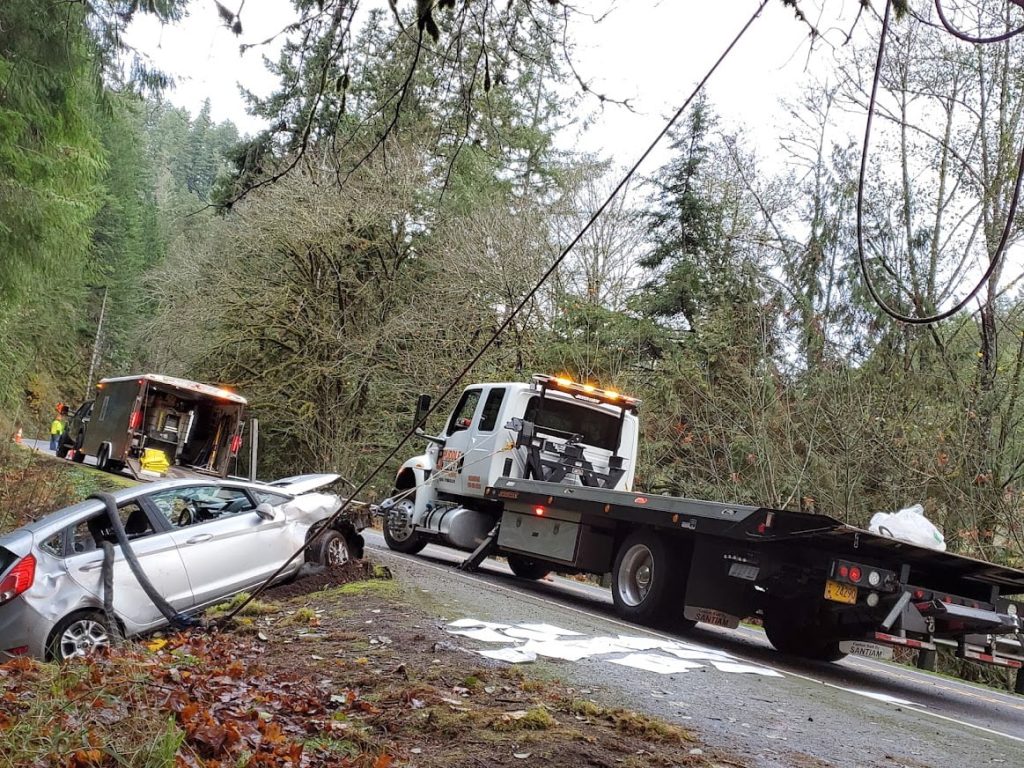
(426, 701)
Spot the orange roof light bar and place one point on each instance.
(569, 386)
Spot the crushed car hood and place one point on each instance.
(298, 484)
(310, 508)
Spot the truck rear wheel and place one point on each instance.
(644, 577)
(525, 568)
(399, 533)
(792, 631)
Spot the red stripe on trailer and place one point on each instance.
(988, 658)
(909, 642)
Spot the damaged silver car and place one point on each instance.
(197, 542)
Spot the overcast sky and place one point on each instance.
(649, 51)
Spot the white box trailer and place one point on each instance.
(197, 427)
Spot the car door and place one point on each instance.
(157, 553)
(225, 546)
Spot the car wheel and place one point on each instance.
(399, 533)
(331, 549)
(103, 457)
(62, 449)
(78, 636)
(525, 568)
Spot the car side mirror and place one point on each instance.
(265, 511)
(422, 408)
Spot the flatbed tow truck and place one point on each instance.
(550, 490)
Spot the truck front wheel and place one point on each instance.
(643, 579)
(399, 532)
(525, 568)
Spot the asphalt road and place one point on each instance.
(43, 446)
(858, 712)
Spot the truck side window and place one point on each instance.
(103, 408)
(492, 405)
(462, 417)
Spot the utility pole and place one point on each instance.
(254, 448)
(96, 342)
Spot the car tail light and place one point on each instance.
(19, 650)
(18, 579)
(539, 511)
(855, 573)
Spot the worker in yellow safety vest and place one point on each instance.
(56, 432)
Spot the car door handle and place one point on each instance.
(199, 538)
(92, 566)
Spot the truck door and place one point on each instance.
(459, 439)
(483, 454)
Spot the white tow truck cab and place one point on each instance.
(549, 429)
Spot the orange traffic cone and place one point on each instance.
(17, 436)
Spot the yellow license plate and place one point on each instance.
(841, 593)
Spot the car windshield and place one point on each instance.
(599, 429)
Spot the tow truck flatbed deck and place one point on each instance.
(758, 526)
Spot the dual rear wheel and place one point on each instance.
(649, 581)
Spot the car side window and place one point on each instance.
(462, 417)
(200, 504)
(94, 530)
(54, 545)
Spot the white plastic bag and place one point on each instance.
(908, 524)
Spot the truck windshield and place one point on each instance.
(599, 429)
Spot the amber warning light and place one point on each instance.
(563, 384)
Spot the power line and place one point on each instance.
(508, 320)
(996, 257)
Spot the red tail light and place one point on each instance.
(539, 511)
(19, 579)
(135, 420)
(855, 573)
(236, 443)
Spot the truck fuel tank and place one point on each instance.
(459, 527)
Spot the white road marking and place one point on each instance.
(449, 571)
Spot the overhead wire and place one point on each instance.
(996, 257)
(511, 316)
(961, 35)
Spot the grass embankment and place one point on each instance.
(33, 484)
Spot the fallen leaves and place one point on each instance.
(228, 710)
